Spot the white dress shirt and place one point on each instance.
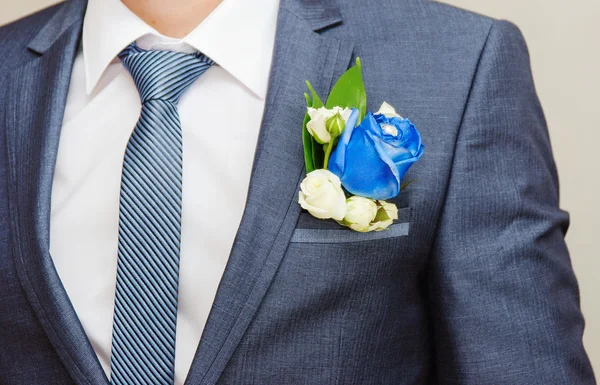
(220, 117)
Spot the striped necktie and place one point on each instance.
(145, 315)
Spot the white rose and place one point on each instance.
(387, 213)
(387, 110)
(360, 212)
(317, 126)
(322, 196)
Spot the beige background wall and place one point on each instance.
(564, 41)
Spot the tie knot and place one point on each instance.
(163, 75)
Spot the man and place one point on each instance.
(139, 246)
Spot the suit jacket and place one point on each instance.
(474, 286)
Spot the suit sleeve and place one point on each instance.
(504, 298)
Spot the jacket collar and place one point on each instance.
(318, 14)
(66, 20)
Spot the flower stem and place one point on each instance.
(327, 154)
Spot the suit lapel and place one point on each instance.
(34, 111)
(271, 210)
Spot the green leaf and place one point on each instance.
(308, 101)
(349, 91)
(317, 102)
(307, 142)
(313, 152)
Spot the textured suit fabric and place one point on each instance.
(480, 291)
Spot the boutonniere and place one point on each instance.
(355, 160)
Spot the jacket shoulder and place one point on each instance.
(378, 20)
(15, 36)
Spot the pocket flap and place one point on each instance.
(313, 230)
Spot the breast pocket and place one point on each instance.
(313, 230)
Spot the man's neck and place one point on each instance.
(173, 18)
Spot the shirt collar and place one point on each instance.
(238, 35)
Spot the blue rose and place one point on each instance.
(372, 158)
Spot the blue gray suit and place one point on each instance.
(475, 286)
